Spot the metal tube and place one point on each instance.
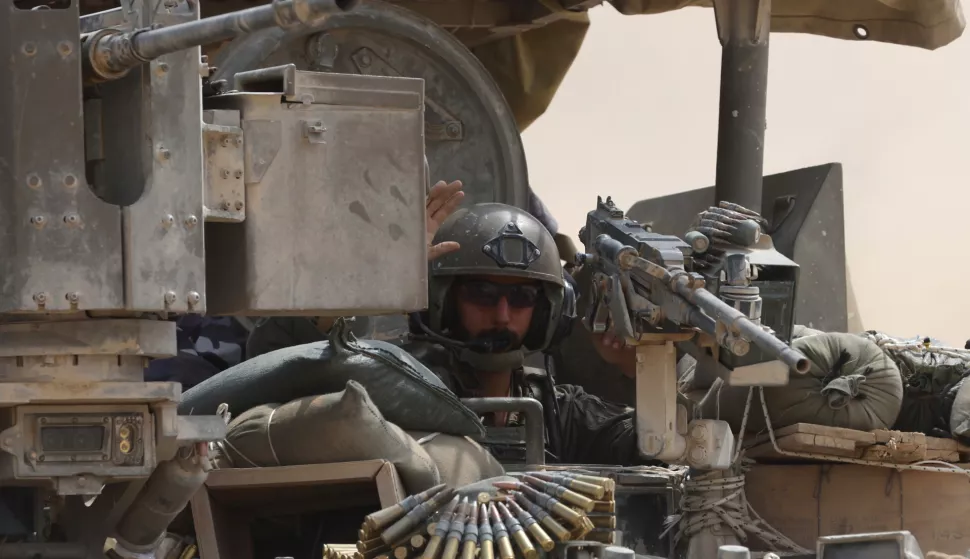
(535, 435)
(110, 54)
(743, 28)
(158, 42)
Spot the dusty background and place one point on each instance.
(636, 117)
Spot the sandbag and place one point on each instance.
(800, 331)
(460, 460)
(929, 372)
(851, 384)
(341, 427)
(406, 392)
(960, 410)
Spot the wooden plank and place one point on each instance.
(936, 509)
(859, 499)
(786, 497)
(804, 442)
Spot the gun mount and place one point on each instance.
(129, 197)
(646, 290)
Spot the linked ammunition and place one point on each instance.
(485, 534)
(484, 498)
(517, 531)
(417, 541)
(596, 491)
(415, 517)
(440, 529)
(374, 522)
(527, 520)
(561, 492)
(456, 531)
(401, 552)
(600, 535)
(604, 506)
(545, 501)
(501, 534)
(606, 483)
(368, 545)
(603, 521)
(543, 517)
(470, 538)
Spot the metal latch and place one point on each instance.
(313, 130)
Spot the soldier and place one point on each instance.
(500, 296)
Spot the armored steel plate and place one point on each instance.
(470, 132)
(61, 246)
(335, 222)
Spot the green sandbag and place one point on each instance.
(851, 384)
(800, 331)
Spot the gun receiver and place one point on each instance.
(644, 288)
(110, 53)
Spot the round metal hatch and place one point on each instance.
(470, 133)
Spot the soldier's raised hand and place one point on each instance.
(443, 199)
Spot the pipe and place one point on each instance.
(535, 434)
(110, 53)
(743, 29)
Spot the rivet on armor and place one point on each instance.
(33, 181)
(194, 298)
(168, 220)
(73, 297)
(40, 298)
(169, 297)
(191, 221)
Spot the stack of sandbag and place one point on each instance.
(402, 388)
(936, 401)
(852, 383)
(341, 427)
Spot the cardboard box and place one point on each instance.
(805, 502)
(221, 511)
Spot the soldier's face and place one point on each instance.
(491, 304)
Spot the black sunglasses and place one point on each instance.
(488, 294)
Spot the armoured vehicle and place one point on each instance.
(173, 157)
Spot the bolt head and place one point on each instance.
(194, 297)
(225, 173)
(239, 204)
(191, 221)
(73, 296)
(33, 181)
(238, 174)
(70, 180)
(168, 220)
(40, 298)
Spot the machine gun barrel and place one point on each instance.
(110, 53)
(703, 310)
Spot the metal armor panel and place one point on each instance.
(335, 189)
(61, 246)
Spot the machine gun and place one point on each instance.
(645, 289)
(129, 195)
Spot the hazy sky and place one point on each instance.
(636, 117)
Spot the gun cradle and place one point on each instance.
(663, 431)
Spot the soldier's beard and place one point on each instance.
(496, 340)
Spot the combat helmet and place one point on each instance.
(501, 240)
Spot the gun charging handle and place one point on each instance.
(110, 53)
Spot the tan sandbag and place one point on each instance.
(340, 427)
(460, 460)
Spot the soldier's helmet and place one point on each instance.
(501, 240)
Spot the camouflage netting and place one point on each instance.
(933, 376)
(530, 66)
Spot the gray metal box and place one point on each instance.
(335, 197)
